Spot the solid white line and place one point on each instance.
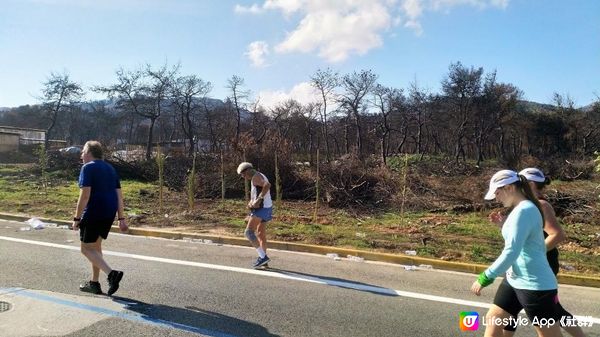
(281, 275)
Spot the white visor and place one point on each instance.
(500, 179)
(533, 174)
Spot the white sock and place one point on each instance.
(261, 252)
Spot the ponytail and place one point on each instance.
(525, 189)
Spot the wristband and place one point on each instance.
(484, 280)
(76, 219)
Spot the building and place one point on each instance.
(9, 141)
(12, 137)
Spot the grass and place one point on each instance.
(465, 237)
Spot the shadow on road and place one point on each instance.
(337, 282)
(193, 319)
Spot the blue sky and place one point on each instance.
(541, 46)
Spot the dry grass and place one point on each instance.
(466, 237)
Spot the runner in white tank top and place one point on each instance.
(254, 192)
(261, 210)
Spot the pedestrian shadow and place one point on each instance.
(193, 319)
(336, 282)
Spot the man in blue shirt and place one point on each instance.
(100, 198)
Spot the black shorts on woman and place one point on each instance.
(539, 305)
(511, 304)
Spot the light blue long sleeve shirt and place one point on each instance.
(524, 256)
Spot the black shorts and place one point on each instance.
(91, 229)
(540, 304)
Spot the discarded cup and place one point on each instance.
(35, 223)
(63, 227)
(208, 242)
(332, 255)
(410, 268)
(425, 266)
(410, 252)
(25, 229)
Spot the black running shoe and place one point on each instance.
(91, 287)
(114, 277)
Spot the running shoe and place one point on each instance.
(91, 287)
(261, 261)
(114, 277)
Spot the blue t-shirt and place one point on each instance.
(524, 256)
(104, 182)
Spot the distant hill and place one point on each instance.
(212, 103)
(534, 107)
(588, 107)
(215, 103)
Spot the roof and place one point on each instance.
(21, 129)
(10, 133)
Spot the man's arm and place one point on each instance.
(121, 209)
(84, 197)
(121, 212)
(265, 189)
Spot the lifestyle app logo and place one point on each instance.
(469, 321)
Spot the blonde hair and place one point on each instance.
(94, 148)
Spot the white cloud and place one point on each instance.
(256, 52)
(254, 9)
(302, 92)
(337, 29)
(286, 6)
(336, 32)
(412, 8)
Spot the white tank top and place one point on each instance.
(267, 202)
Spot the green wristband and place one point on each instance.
(484, 280)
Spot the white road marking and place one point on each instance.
(281, 275)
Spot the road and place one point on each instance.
(182, 288)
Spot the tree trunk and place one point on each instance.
(383, 150)
(149, 142)
(358, 125)
(347, 135)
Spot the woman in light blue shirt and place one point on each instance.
(529, 281)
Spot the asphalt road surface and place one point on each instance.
(185, 288)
